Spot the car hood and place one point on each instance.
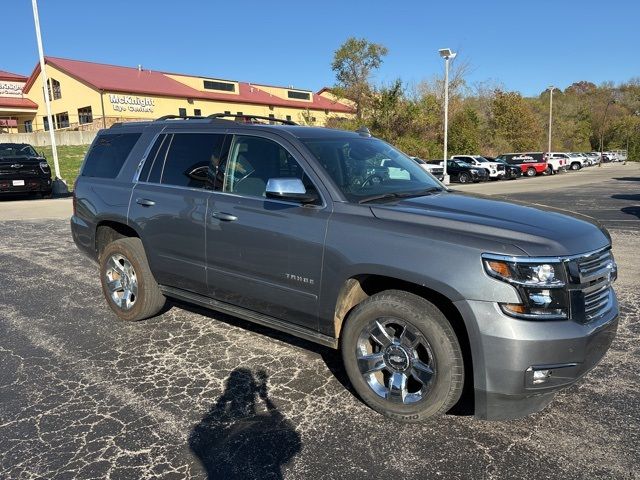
(537, 230)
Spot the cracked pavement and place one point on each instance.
(193, 393)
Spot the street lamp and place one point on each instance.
(551, 89)
(447, 54)
(604, 118)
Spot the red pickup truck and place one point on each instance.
(532, 164)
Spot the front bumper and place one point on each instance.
(25, 184)
(506, 350)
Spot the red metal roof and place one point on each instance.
(15, 77)
(16, 102)
(112, 78)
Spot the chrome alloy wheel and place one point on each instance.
(122, 281)
(395, 360)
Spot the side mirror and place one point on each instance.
(199, 173)
(289, 189)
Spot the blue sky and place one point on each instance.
(523, 45)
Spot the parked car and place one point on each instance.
(511, 172)
(435, 170)
(423, 289)
(558, 161)
(531, 164)
(23, 170)
(576, 161)
(593, 158)
(495, 170)
(462, 172)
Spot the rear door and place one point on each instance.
(169, 206)
(265, 254)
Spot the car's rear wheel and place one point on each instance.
(464, 177)
(531, 172)
(127, 282)
(402, 356)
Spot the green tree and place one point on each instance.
(353, 64)
(464, 132)
(514, 124)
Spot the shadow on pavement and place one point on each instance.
(628, 179)
(631, 210)
(244, 435)
(623, 196)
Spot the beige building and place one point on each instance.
(86, 95)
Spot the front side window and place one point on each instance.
(364, 168)
(189, 159)
(253, 161)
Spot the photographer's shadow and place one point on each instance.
(244, 435)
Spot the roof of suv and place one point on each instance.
(297, 131)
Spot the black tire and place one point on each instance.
(464, 178)
(444, 388)
(575, 166)
(531, 172)
(148, 300)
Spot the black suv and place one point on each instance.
(23, 170)
(341, 239)
(462, 172)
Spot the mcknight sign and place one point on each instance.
(123, 103)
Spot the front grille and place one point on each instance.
(437, 171)
(29, 170)
(595, 274)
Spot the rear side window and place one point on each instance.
(190, 160)
(108, 153)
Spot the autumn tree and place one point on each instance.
(353, 64)
(513, 123)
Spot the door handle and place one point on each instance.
(145, 202)
(225, 217)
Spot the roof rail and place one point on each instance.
(183, 117)
(251, 118)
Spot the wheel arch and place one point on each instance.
(109, 230)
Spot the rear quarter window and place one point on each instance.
(108, 154)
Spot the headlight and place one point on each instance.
(44, 166)
(540, 286)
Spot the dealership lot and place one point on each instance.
(83, 395)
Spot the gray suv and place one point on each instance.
(434, 297)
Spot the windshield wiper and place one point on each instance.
(393, 195)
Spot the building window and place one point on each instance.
(222, 86)
(46, 123)
(239, 113)
(298, 95)
(197, 112)
(61, 120)
(54, 89)
(182, 112)
(288, 118)
(28, 126)
(272, 117)
(85, 115)
(227, 112)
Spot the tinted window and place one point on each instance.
(108, 153)
(151, 158)
(190, 158)
(253, 161)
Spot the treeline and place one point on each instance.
(484, 118)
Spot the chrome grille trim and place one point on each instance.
(595, 272)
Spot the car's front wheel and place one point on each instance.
(127, 281)
(575, 166)
(402, 356)
(464, 178)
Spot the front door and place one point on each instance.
(264, 254)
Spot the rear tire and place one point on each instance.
(531, 172)
(127, 282)
(402, 356)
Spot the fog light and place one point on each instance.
(541, 376)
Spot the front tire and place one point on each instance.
(575, 166)
(402, 356)
(127, 282)
(464, 178)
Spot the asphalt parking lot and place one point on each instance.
(193, 393)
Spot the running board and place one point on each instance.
(251, 316)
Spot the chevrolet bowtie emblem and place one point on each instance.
(16, 165)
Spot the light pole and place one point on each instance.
(58, 187)
(447, 54)
(604, 118)
(551, 89)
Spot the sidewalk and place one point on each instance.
(35, 209)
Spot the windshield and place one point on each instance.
(368, 167)
(16, 150)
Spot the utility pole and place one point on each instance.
(447, 54)
(551, 89)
